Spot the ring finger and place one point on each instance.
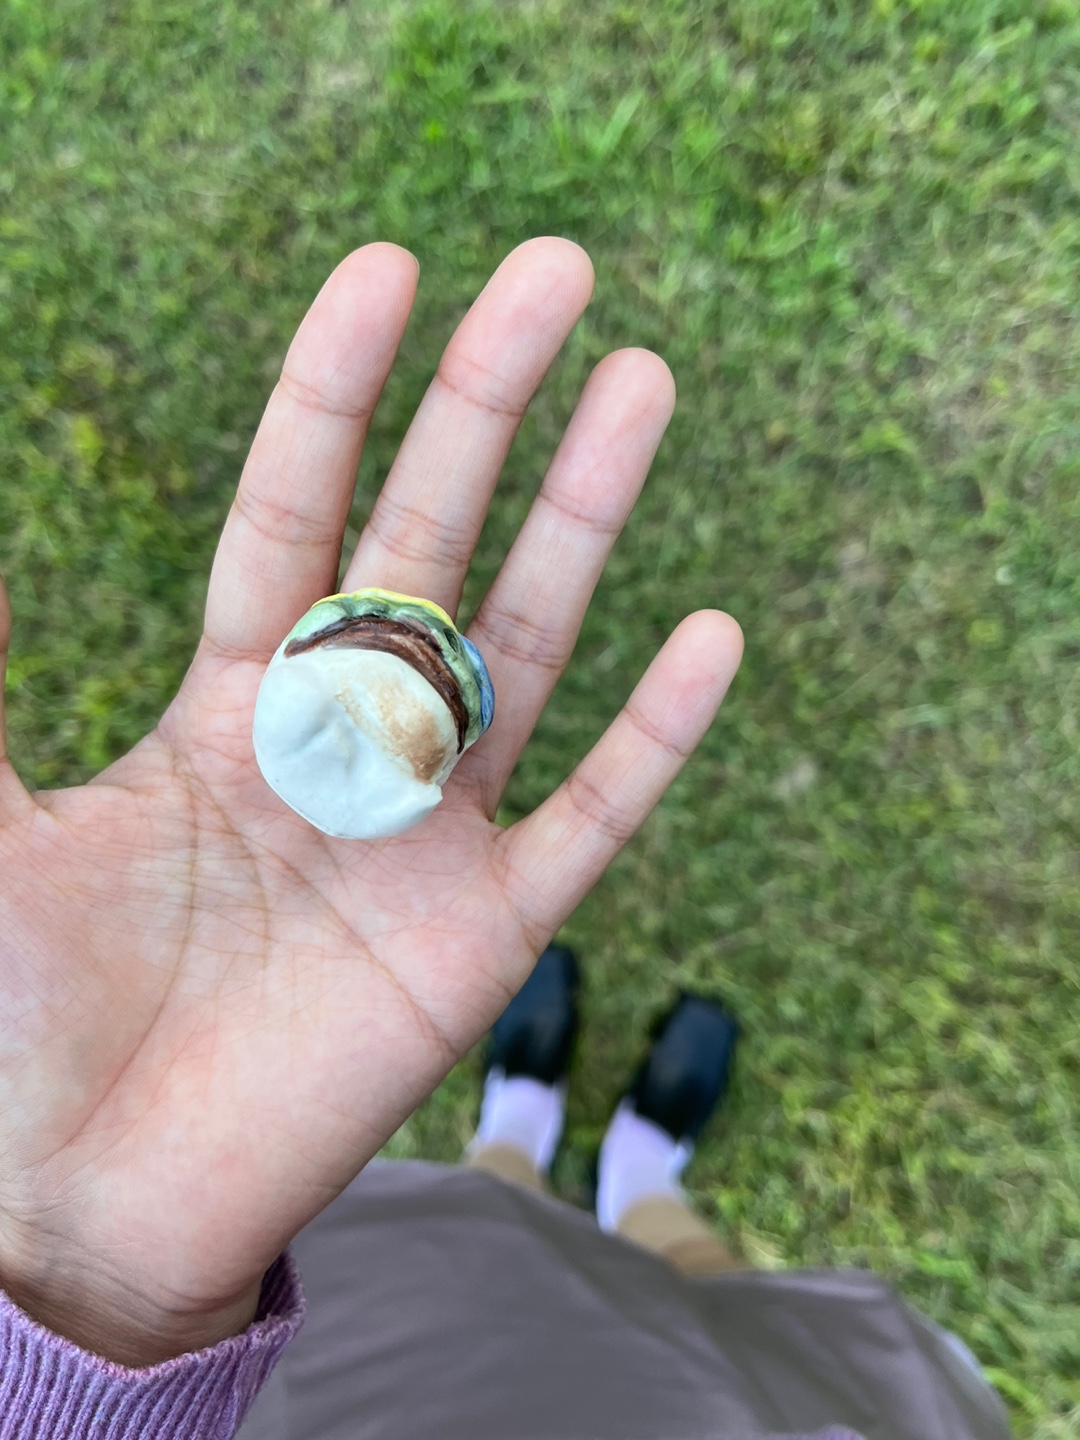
(528, 624)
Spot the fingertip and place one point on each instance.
(663, 379)
(714, 641)
(380, 268)
(643, 372)
(721, 626)
(394, 254)
(360, 313)
(560, 245)
(569, 264)
(389, 261)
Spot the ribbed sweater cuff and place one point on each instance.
(51, 1389)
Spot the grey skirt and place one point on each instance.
(444, 1302)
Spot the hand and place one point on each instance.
(212, 1014)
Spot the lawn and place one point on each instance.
(854, 234)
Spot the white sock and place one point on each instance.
(637, 1159)
(522, 1112)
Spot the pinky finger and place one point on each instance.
(555, 856)
(12, 793)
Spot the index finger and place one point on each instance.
(281, 544)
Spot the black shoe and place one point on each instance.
(535, 1034)
(686, 1073)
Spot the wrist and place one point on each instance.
(50, 1387)
(104, 1314)
(127, 1333)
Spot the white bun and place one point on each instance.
(355, 741)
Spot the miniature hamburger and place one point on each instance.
(364, 710)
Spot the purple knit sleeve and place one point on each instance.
(50, 1389)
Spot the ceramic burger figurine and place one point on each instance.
(364, 710)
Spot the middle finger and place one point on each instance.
(426, 521)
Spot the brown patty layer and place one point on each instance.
(407, 640)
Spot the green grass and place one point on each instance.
(854, 233)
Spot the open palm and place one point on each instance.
(212, 1015)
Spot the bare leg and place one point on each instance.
(669, 1227)
(508, 1163)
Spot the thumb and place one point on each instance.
(12, 792)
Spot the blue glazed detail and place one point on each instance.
(483, 679)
